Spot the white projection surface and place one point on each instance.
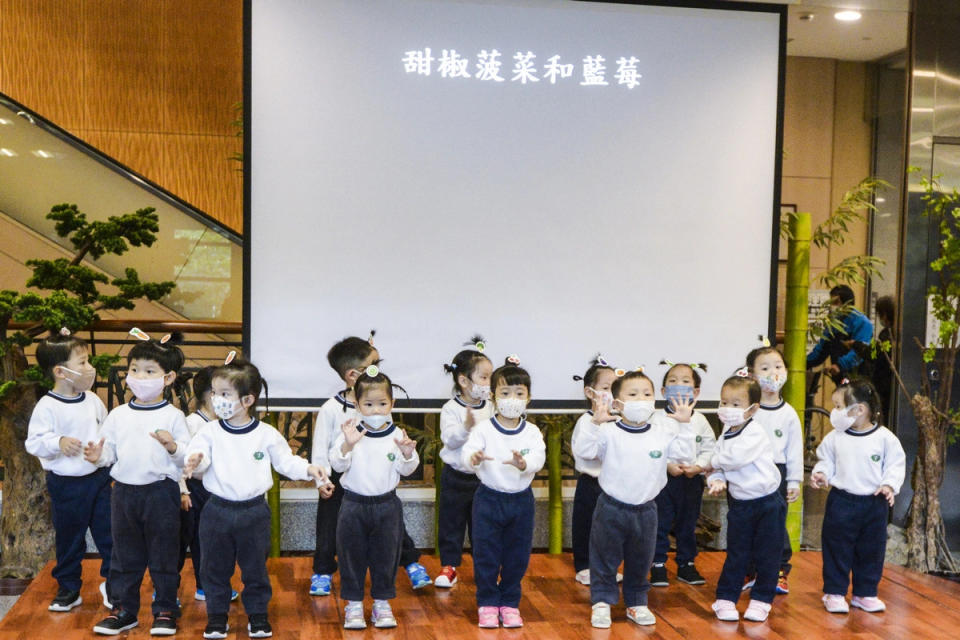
(564, 178)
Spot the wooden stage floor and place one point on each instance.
(553, 606)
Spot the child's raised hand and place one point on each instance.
(818, 480)
(887, 492)
(406, 445)
(682, 408)
(674, 469)
(351, 433)
(166, 439)
(478, 458)
(517, 461)
(193, 461)
(91, 452)
(717, 487)
(601, 412)
(185, 503)
(793, 494)
(70, 446)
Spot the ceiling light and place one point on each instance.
(10, 153)
(5, 121)
(848, 15)
(40, 153)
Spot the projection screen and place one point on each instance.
(564, 178)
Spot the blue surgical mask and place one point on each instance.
(676, 392)
(376, 421)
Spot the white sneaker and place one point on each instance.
(869, 604)
(353, 615)
(583, 577)
(726, 610)
(641, 615)
(600, 616)
(835, 603)
(757, 611)
(103, 594)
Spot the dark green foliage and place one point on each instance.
(99, 238)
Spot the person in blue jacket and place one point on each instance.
(837, 345)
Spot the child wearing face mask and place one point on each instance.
(634, 452)
(865, 464)
(785, 432)
(678, 504)
(506, 452)
(65, 418)
(145, 441)
(371, 455)
(742, 464)
(235, 455)
(471, 372)
(596, 387)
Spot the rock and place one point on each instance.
(896, 545)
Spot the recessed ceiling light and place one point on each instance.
(40, 153)
(848, 15)
(10, 153)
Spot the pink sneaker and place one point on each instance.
(835, 603)
(510, 618)
(726, 610)
(488, 618)
(870, 605)
(757, 611)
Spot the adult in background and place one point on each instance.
(835, 344)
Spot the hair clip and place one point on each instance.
(844, 381)
(230, 357)
(577, 378)
(138, 334)
(477, 342)
(373, 332)
(64, 331)
(620, 372)
(514, 359)
(742, 372)
(764, 340)
(372, 371)
(166, 338)
(668, 363)
(452, 366)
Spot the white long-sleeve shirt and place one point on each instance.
(333, 413)
(744, 460)
(589, 466)
(237, 459)
(786, 437)
(861, 462)
(138, 458)
(453, 434)
(634, 459)
(704, 438)
(499, 443)
(374, 465)
(195, 421)
(56, 416)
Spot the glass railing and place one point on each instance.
(42, 165)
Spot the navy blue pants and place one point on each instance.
(235, 534)
(787, 551)
(678, 506)
(754, 533)
(369, 537)
(190, 528)
(584, 502)
(78, 503)
(456, 510)
(146, 533)
(627, 533)
(502, 542)
(328, 514)
(854, 538)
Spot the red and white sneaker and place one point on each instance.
(446, 578)
(783, 587)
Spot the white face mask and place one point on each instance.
(840, 420)
(479, 391)
(376, 420)
(145, 389)
(83, 381)
(732, 416)
(773, 382)
(638, 411)
(225, 408)
(511, 407)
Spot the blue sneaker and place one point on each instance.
(200, 595)
(320, 584)
(419, 577)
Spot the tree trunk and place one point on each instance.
(26, 530)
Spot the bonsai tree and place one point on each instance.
(68, 294)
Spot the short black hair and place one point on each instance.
(843, 292)
(510, 374)
(365, 381)
(860, 390)
(630, 375)
(56, 350)
(168, 355)
(693, 370)
(348, 354)
(202, 385)
(762, 351)
(886, 307)
(464, 364)
(742, 382)
(243, 375)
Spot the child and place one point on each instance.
(349, 358)
(865, 464)
(678, 504)
(371, 456)
(144, 441)
(742, 463)
(634, 452)
(785, 432)
(596, 387)
(471, 372)
(506, 452)
(63, 419)
(235, 455)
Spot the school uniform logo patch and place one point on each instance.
(656, 454)
(524, 452)
(778, 433)
(875, 457)
(699, 438)
(258, 455)
(391, 456)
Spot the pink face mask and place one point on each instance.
(145, 389)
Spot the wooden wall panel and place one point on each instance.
(808, 117)
(41, 57)
(145, 153)
(200, 170)
(811, 195)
